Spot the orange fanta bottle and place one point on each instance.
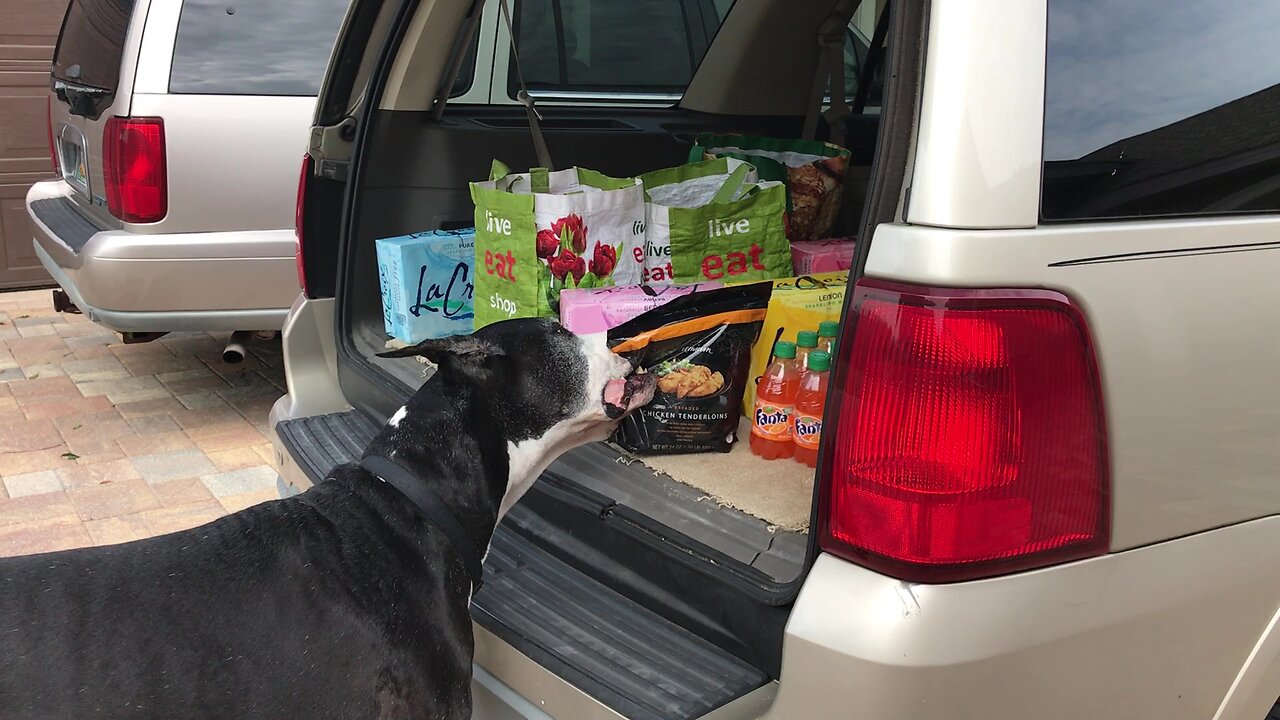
(806, 342)
(827, 331)
(811, 400)
(775, 400)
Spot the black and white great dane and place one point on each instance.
(349, 600)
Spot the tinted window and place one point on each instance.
(254, 47)
(632, 46)
(1161, 108)
(92, 41)
(467, 70)
(857, 57)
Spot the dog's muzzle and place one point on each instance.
(626, 394)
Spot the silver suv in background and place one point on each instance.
(176, 129)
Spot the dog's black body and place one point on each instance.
(341, 602)
(324, 591)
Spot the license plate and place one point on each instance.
(74, 160)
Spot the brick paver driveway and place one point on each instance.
(102, 442)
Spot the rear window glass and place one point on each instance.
(645, 46)
(254, 47)
(92, 42)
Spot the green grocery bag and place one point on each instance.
(812, 170)
(540, 232)
(714, 220)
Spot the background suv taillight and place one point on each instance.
(298, 214)
(133, 165)
(53, 147)
(968, 436)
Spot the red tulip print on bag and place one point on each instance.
(604, 261)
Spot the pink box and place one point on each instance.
(819, 256)
(596, 310)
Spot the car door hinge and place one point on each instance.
(330, 146)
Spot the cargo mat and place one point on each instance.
(779, 492)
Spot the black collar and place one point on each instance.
(433, 509)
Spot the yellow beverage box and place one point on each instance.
(798, 303)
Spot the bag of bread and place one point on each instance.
(813, 171)
(699, 346)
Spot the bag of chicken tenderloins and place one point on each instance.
(699, 346)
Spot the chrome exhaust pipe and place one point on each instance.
(235, 351)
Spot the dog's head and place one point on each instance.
(544, 389)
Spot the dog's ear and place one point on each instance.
(466, 354)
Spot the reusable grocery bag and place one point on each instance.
(540, 232)
(797, 303)
(712, 221)
(812, 170)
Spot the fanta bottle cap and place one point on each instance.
(785, 350)
(807, 339)
(828, 328)
(819, 360)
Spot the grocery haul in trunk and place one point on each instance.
(720, 276)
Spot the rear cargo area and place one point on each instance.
(755, 511)
(415, 178)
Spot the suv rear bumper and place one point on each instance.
(1173, 630)
(131, 282)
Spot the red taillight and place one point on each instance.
(53, 148)
(133, 164)
(968, 438)
(298, 210)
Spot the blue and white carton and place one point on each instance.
(426, 279)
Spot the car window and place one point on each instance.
(1155, 108)
(91, 42)
(467, 70)
(638, 46)
(857, 53)
(254, 47)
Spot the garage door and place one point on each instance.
(28, 31)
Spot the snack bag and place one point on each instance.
(713, 221)
(540, 232)
(426, 283)
(585, 311)
(699, 346)
(813, 171)
(796, 304)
